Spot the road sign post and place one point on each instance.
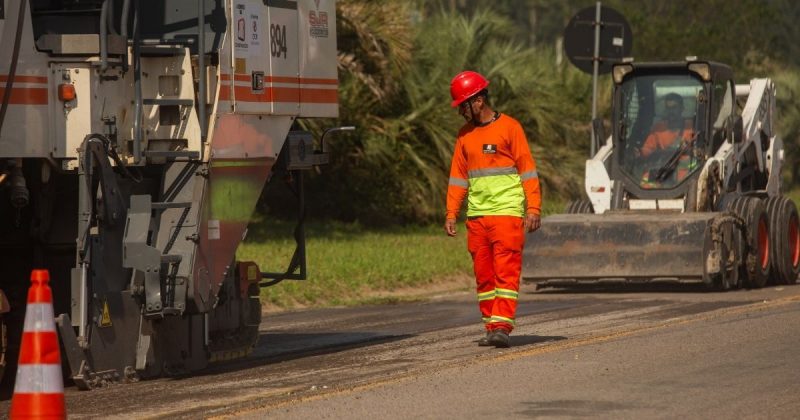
(595, 38)
(596, 68)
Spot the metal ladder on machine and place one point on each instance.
(167, 47)
(142, 256)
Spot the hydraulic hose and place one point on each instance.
(111, 14)
(12, 71)
(104, 36)
(126, 9)
(138, 131)
(123, 25)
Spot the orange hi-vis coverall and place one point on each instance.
(493, 165)
(664, 138)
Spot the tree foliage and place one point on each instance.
(394, 168)
(396, 59)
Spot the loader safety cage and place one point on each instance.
(639, 117)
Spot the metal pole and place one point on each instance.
(138, 132)
(201, 66)
(301, 229)
(596, 61)
(104, 35)
(83, 302)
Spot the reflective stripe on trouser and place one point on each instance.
(495, 243)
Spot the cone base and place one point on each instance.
(40, 406)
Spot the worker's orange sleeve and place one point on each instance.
(458, 184)
(526, 167)
(650, 145)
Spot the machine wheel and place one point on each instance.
(784, 240)
(579, 207)
(729, 270)
(756, 232)
(728, 251)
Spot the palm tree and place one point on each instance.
(395, 67)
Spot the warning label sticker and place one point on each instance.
(105, 319)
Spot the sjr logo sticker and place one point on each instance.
(318, 24)
(490, 148)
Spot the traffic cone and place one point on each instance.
(39, 389)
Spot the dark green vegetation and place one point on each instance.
(396, 59)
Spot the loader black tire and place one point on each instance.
(784, 240)
(756, 261)
(579, 207)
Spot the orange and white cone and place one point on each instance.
(39, 389)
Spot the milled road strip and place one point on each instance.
(507, 355)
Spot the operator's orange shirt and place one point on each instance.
(493, 163)
(662, 138)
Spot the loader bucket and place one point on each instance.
(619, 247)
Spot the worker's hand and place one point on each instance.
(450, 227)
(532, 222)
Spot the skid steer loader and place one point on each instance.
(686, 189)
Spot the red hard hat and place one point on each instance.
(465, 85)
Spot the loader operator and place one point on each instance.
(668, 136)
(492, 165)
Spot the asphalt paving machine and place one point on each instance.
(677, 194)
(135, 140)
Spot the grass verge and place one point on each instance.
(349, 264)
(794, 194)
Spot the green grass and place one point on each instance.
(794, 194)
(349, 264)
(550, 207)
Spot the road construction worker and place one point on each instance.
(668, 136)
(492, 165)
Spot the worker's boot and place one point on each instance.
(499, 338)
(484, 341)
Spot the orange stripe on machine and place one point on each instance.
(282, 94)
(282, 79)
(237, 77)
(20, 78)
(26, 96)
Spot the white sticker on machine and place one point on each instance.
(240, 23)
(213, 230)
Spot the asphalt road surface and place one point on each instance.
(650, 354)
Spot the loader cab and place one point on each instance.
(668, 119)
